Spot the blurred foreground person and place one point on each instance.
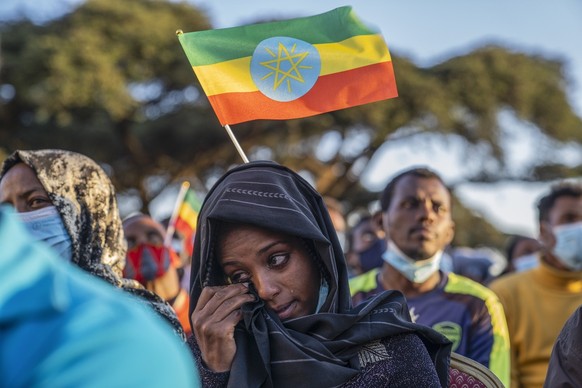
(61, 327)
(416, 207)
(154, 265)
(270, 300)
(565, 368)
(67, 201)
(538, 302)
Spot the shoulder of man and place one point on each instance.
(463, 285)
(365, 282)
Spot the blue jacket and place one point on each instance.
(61, 327)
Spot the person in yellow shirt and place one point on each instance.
(538, 302)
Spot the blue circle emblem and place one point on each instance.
(284, 68)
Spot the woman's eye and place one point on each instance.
(278, 260)
(37, 202)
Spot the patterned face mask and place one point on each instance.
(147, 262)
(46, 225)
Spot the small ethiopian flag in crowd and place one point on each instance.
(290, 69)
(185, 217)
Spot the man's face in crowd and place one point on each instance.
(419, 218)
(566, 210)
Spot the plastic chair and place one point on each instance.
(466, 373)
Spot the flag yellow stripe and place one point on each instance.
(189, 215)
(234, 76)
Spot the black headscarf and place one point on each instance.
(85, 199)
(321, 348)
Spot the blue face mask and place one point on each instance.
(323, 291)
(526, 262)
(568, 247)
(415, 271)
(46, 225)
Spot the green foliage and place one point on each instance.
(110, 80)
(77, 82)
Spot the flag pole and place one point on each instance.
(237, 146)
(172, 223)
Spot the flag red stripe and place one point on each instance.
(331, 92)
(183, 226)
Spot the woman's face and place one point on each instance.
(278, 265)
(21, 188)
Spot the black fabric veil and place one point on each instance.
(322, 348)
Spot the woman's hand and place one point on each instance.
(214, 318)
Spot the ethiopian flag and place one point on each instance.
(186, 220)
(290, 69)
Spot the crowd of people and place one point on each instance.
(282, 292)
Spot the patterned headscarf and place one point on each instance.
(85, 198)
(269, 352)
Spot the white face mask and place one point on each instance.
(568, 247)
(526, 262)
(46, 225)
(415, 271)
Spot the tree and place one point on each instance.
(111, 81)
(94, 79)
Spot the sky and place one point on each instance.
(428, 32)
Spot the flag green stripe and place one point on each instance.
(191, 199)
(214, 46)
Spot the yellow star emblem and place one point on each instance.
(285, 56)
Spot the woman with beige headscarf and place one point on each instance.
(68, 201)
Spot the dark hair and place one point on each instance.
(418, 172)
(363, 219)
(562, 189)
(511, 244)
